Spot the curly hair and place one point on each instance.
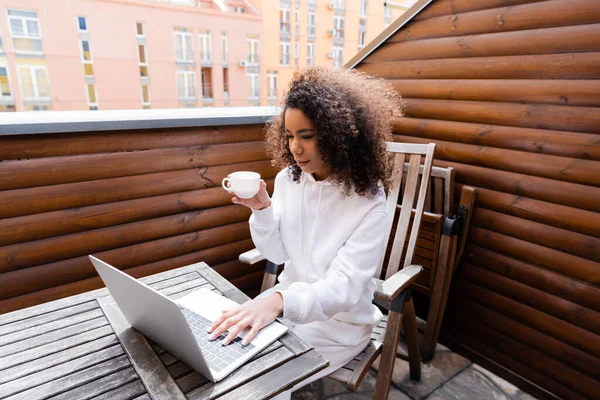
(352, 115)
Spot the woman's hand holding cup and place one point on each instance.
(249, 189)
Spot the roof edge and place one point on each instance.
(406, 17)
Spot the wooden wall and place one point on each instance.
(510, 92)
(144, 201)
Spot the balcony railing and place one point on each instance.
(207, 91)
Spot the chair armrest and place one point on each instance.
(251, 257)
(394, 285)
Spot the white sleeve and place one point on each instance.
(264, 229)
(347, 278)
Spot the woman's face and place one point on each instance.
(302, 140)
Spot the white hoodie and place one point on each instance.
(331, 246)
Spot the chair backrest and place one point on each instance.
(419, 163)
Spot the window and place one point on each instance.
(25, 30)
(253, 87)
(297, 20)
(252, 51)
(337, 56)
(81, 24)
(145, 96)
(34, 82)
(186, 85)
(387, 16)
(86, 57)
(226, 84)
(363, 8)
(184, 47)
(310, 53)
(205, 47)
(139, 30)
(272, 84)
(284, 20)
(207, 87)
(297, 53)
(338, 26)
(4, 83)
(224, 48)
(284, 53)
(239, 9)
(143, 59)
(92, 96)
(312, 23)
(340, 4)
(361, 38)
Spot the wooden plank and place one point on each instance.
(59, 170)
(548, 281)
(544, 257)
(72, 380)
(63, 144)
(101, 386)
(562, 352)
(191, 381)
(177, 280)
(34, 313)
(278, 380)
(125, 392)
(543, 116)
(28, 201)
(574, 219)
(46, 374)
(243, 376)
(556, 66)
(578, 382)
(548, 236)
(38, 252)
(60, 272)
(29, 319)
(33, 333)
(545, 189)
(193, 284)
(573, 39)
(51, 348)
(548, 14)
(505, 367)
(44, 336)
(156, 379)
(550, 325)
(103, 346)
(559, 168)
(582, 93)
(213, 255)
(405, 215)
(550, 304)
(43, 225)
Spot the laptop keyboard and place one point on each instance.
(216, 355)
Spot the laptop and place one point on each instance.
(180, 326)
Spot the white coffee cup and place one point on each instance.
(245, 184)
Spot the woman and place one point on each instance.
(326, 220)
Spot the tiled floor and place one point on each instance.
(448, 376)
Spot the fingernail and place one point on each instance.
(244, 343)
(211, 337)
(209, 330)
(224, 342)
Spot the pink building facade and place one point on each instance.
(128, 54)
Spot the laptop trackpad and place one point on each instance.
(210, 305)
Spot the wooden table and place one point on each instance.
(82, 347)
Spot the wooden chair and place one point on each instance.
(393, 292)
(441, 241)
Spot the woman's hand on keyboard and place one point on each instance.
(255, 314)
